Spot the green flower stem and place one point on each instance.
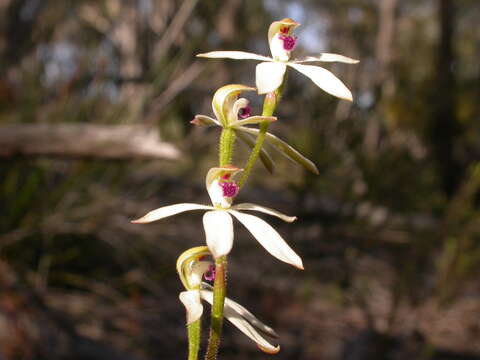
(194, 339)
(227, 140)
(216, 322)
(269, 105)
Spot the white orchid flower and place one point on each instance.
(218, 222)
(234, 113)
(270, 72)
(191, 268)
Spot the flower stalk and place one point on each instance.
(194, 335)
(219, 293)
(269, 105)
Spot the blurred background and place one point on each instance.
(95, 103)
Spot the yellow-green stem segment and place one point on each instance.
(194, 339)
(227, 141)
(216, 322)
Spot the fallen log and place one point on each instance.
(85, 141)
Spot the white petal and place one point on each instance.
(246, 322)
(218, 227)
(191, 301)
(277, 49)
(269, 238)
(269, 76)
(255, 207)
(325, 80)
(170, 210)
(238, 55)
(328, 57)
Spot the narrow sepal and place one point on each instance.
(253, 120)
(269, 238)
(246, 322)
(327, 57)
(203, 120)
(325, 80)
(169, 210)
(265, 210)
(237, 55)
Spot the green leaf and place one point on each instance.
(284, 148)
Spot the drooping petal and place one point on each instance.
(269, 238)
(265, 157)
(253, 120)
(269, 76)
(169, 210)
(191, 300)
(238, 55)
(281, 146)
(265, 210)
(327, 57)
(203, 120)
(325, 80)
(246, 322)
(218, 227)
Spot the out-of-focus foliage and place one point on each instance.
(389, 230)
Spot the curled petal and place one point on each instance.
(253, 120)
(185, 261)
(269, 238)
(191, 300)
(269, 76)
(325, 80)
(264, 155)
(246, 322)
(218, 227)
(224, 100)
(198, 268)
(214, 189)
(170, 210)
(285, 149)
(203, 120)
(327, 57)
(238, 55)
(265, 210)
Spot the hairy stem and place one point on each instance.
(219, 291)
(194, 339)
(227, 140)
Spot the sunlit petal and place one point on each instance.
(193, 305)
(328, 57)
(246, 322)
(269, 238)
(269, 76)
(218, 227)
(325, 80)
(169, 210)
(238, 55)
(265, 210)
